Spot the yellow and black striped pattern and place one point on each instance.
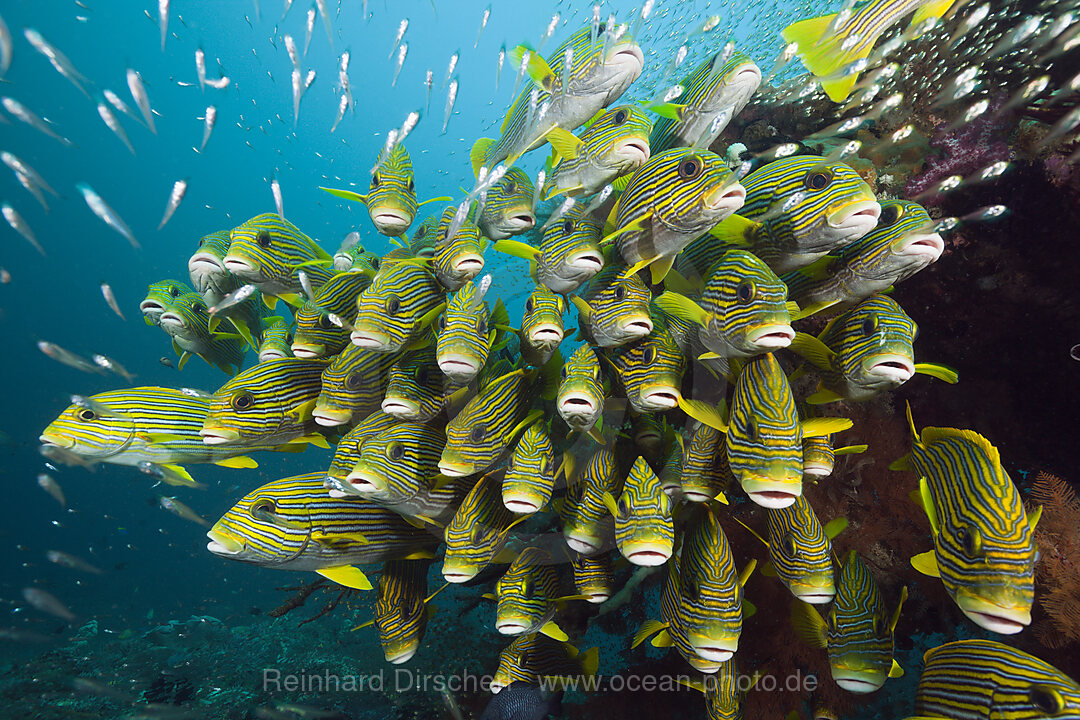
(400, 614)
(508, 206)
(487, 425)
(594, 577)
(704, 468)
(464, 335)
(265, 251)
(534, 656)
(415, 386)
(347, 451)
(187, 321)
(650, 371)
(526, 593)
(644, 529)
(615, 144)
(276, 340)
(391, 198)
(801, 552)
(158, 296)
(587, 525)
(569, 252)
(316, 335)
(352, 386)
(580, 397)
(530, 471)
(393, 310)
(477, 531)
(398, 463)
(618, 308)
(857, 626)
(206, 266)
(541, 326)
(458, 259)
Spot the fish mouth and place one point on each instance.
(450, 468)
(390, 220)
(271, 355)
(895, 368)
(648, 557)
(456, 365)
(330, 417)
(815, 597)
(577, 404)
(520, 222)
(402, 655)
(308, 351)
(204, 263)
(773, 499)
(637, 327)
(240, 267)
(695, 496)
(746, 79)
(586, 261)
(218, 436)
(458, 575)
(855, 219)
(923, 245)
(468, 264)
(993, 617)
(661, 398)
(585, 546)
(771, 337)
(151, 307)
(633, 150)
(520, 505)
(365, 482)
(855, 684)
(627, 58)
(725, 199)
(816, 469)
(596, 597)
(713, 653)
(171, 319)
(57, 441)
(546, 334)
(399, 408)
(510, 627)
(223, 544)
(369, 340)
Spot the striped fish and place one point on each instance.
(901, 244)
(269, 404)
(316, 335)
(477, 532)
(207, 266)
(764, 434)
(651, 435)
(488, 424)
(466, 332)
(530, 471)
(601, 68)
(569, 252)
(580, 397)
(158, 296)
(858, 630)
(801, 551)
(588, 526)
(829, 46)
(187, 321)
(644, 529)
(819, 455)
(422, 242)
(352, 386)
(983, 679)
(541, 326)
(650, 371)
(293, 524)
(615, 144)
(142, 424)
(742, 310)
(714, 94)
(401, 610)
(508, 206)
(416, 389)
(397, 308)
(671, 200)
(723, 696)
(984, 541)
(276, 341)
(391, 196)
(798, 209)
(614, 308)
(594, 577)
(266, 250)
(672, 471)
(864, 352)
(526, 595)
(704, 470)
(347, 451)
(533, 657)
(458, 259)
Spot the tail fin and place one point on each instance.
(821, 53)
(479, 154)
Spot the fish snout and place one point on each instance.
(856, 219)
(587, 261)
(660, 397)
(308, 351)
(634, 151)
(370, 340)
(330, 417)
(365, 482)
(399, 407)
(222, 543)
(771, 337)
(218, 436)
(546, 335)
(927, 246)
(726, 199)
(389, 221)
(242, 267)
(577, 404)
(171, 319)
(894, 368)
(61, 441)
(637, 326)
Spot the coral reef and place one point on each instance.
(1058, 569)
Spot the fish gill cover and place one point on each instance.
(623, 359)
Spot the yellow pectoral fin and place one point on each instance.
(936, 370)
(240, 461)
(896, 671)
(820, 427)
(808, 624)
(369, 623)
(184, 479)
(420, 555)
(610, 504)
(660, 267)
(683, 308)
(703, 413)
(835, 526)
(480, 150)
(749, 609)
(270, 301)
(851, 450)
(347, 575)
(932, 9)
(817, 352)
(823, 396)
(537, 68)
(926, 563)
(345, 194)
(928, 504)
(669, 110)
(554, 632)
(1033, 517)
(647, 629)
(566, 146)
(735, 230)
(441, 198)
(662, 640)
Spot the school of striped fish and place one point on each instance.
(663, 368)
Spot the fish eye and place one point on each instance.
(87, 415)
(374, 181)
(510, 187)
(869, 325)
(393, 304)
(411, 186)
(510, 464)
(831, 621)
(478, 434)
(324, 322)
(818, 180)
(789, 546)
(649, 357)
(620, 117)
(620, 292)
(481, 325)
(263, 238)
(690, 168)
(971, 539)
(243, 401)
(751, 431)
(174, 291)
(374, 263)
(441, 322)
(421, 375)
(568, 226)
(889, 215)
(354, 381)
(529, 305)
(262, 507)
(395, 451)
(1046, 699)
(745, 292)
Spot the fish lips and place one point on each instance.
(767, 338)
(222, 543)
(512, 224)
(152, 309)
(545, 335)
(635, 327)
(714, 650)
(365, 482)
(204, 266)
(925, 246)
(171, 320)
(724, 200)
(575, 404)
(371, 340)
(634, 151)
(855, 219)
(858, 682)
(520, 504)
(892, 367)
(774, 498)
(57, 440)
(626, 61)
(242, 267)
(994, 617)
(657, 398)
(389, 221)
(510, 626)
(401, 652)
(218, 435)
(579, 542)
(458, 573)
(399, 407)
(458, 367)
(454, 468)
(586, 261)
(330, 417)
(646, 554)
(308, 351)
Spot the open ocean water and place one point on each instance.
(159, 627)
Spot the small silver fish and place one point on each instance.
(163, 21)
(15, 220)
(117, 102)
(290, 47)
(58, 60)
(403, 50)
(167, 362)
(66, 457)
(326, 21)
(106, 362)
(113, 124)
(343, 105)
(21, 168)
(70, 359)
(275, 188)
(47, 603)
(175, 506)
(429, 80)
(106, 213)
(70, 561)
(450, 68)
(499, 66)
(234, 298)
(451, 96)
(402, 27)
(309, 28)
(200, 67)
(5, 47)
(142, 100)
(32, 189)
(21, 112)
(483, 24)
(288, 4)
(209, 118)
(176, 196)
(47, 483)
(110, 298)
